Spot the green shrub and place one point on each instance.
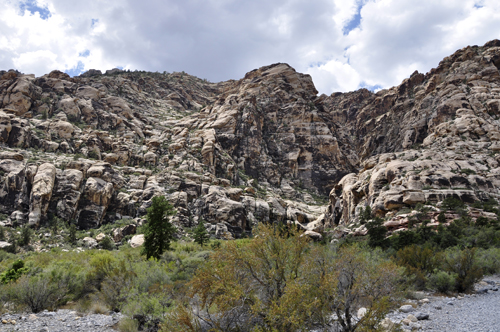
(489, 260)
(442, 281)
(419, 262)
(107, 243)
(127, 324)
(37, 292)
(14, 273)
(467, 171)
(466, 266)
(453, 204)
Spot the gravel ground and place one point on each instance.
(59, 321)
(478, 312)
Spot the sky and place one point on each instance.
(343, 44)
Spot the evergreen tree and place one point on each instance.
(441, 218)
(377, 232)
(200, 234)
(365, 214)
(158, 231)
(72, 234)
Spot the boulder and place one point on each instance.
(137, 240)
(100, 237)
(89, 242)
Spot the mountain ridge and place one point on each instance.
(95, 148)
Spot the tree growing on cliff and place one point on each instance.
(158, 231)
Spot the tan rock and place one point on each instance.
(137, 241)
(41, 192)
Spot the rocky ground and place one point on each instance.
(466, 313)
(59, 321)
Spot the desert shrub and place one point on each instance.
(14, 273)
(36, 292)
(98, 307)
(148, 310)
(127, 324)
(116, 288)
(102, 265)
(442, 281)
(466, 266)
(419, 263)
(489, 260)
(281, 282)
(4, 255)
(107, 243)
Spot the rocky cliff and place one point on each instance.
(96, 148)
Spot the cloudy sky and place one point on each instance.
(343, 44)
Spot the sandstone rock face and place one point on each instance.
(432, 137)
(41, 192)
(95, 148)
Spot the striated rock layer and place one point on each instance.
(96, 148)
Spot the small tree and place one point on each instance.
(158, 231)
(72, 234)
(365, 214)
(377, 233)
(200, 234)
(26, 234)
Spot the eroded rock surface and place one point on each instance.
(266, 148)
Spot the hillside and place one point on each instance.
(96, 148)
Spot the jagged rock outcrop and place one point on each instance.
(434, 136)
(96, 148)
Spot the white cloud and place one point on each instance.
(335, 75)
(223, 39)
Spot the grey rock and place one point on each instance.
(407, 308)
(421, 315)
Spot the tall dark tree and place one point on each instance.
(377, 233)
(201, 235)
(158, 231)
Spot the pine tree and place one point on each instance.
(200, 234)
(376, 233)
(158, 231)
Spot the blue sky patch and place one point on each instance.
(84, 54)
(94, 22)
(77, 70)
(32, 7)
(355, 20)
(372, 88)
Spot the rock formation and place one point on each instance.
(96, 148)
